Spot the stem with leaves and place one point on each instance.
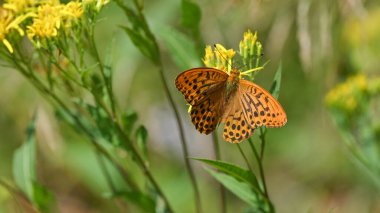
(142, 37)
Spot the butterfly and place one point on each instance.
(218, 97)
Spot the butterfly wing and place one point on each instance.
(251, 107)
(236, 127)
(199, 83)
(260, 108)
(207, 114)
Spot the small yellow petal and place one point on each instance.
(8, 45)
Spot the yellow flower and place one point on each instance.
(50, 17)
(72, 10)
(46, 23)
(347, 96)
(17, 6)
(209, 59)
(249, 44)
(99, 3)
(8, 22)
(220, 58)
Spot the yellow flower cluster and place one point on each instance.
(8, 23)
(48, 18)
(220, 58)
(348, 95)
(249, 44)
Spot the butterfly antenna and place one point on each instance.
(222, 55)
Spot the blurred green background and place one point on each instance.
(308, 168)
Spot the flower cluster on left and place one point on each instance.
(41, 21)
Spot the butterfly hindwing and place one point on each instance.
(259, 107)
(197, 84)
(236, 127)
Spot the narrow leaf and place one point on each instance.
(24, 162)
(146, 46)
(143, 201)
(129, 120)
(234, 171)
(275, 88)
(141, 139)
(43, 197)
(191, 15)
(240, 189)
(181, 48)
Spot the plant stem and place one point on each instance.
(183, 141)
(103, 167)
(19, 196)
(261, 170)
(262, 138)
(244, 157)
(107, 82)
(218, 157)
(56, 100)
(143, 165)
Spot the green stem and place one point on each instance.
(103, 167)
(143, 165)
(217, 154)
(142, 25)
(17, 194)
(244, 157)
(183, 141)
(261, 170)
(263, 141)
(50, 96)
(107, 82)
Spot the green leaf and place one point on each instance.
(24, 171)
(191, 15)
(145, 45)
(182, 50)
(145, 202)
(139, 32)
(24, 161)
(141, 139)
(241, 190)
(108, 62)
(43, 198)
(129, 120)
(234, 171)
(275, 88)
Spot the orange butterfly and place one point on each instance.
(217, 97)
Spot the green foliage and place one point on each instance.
(191, 16)
(276, 84)
(350, 104)
(139, 32)
(181, 48)
(234, 171)
(242, 190)
(24, 162)
(24, 172)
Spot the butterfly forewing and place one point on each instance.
(206, 115)
(197, 84)
(259, 107)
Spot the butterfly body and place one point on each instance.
(217, 97)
